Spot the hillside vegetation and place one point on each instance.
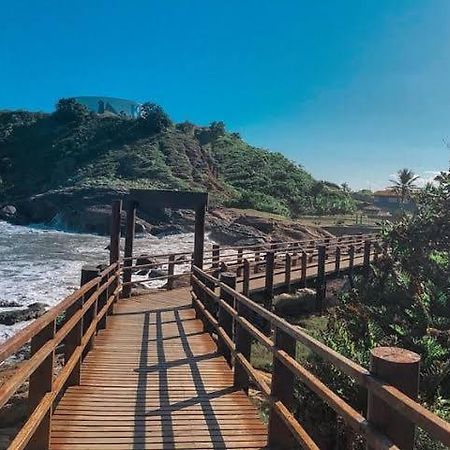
(73, 147)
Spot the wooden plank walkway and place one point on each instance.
(154, 380)
(257, 283)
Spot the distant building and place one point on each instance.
(111, 105)
(389, 200)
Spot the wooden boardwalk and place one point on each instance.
(154, 380)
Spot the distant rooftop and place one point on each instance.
(386, 193)
(112, 105)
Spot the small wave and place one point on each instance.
(42, 264)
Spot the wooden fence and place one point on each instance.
(392, 413)
(70, 327)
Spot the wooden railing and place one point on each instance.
(234, 258)
(70, 327)
(392, 413)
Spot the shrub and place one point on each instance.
(153, 118)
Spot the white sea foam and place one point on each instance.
(44, 265)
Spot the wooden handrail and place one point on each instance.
(18, 340)
(234, 260)
(404, 405)
(266, 246)
(94, 302)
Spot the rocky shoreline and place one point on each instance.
(88, 211)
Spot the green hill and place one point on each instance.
(75, 148)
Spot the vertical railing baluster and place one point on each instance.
(320, 280)
(366, 260)
(304, 268)
(170, 272)
(270, 267)
(41, 382)
(215, 257)
(337, 262)
(224, 319)
(240, 253)
(243, 343)
(129, 239)
(246, 279)
(287, 271)
(282, 389)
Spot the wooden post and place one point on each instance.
(283, 381)
(240, 253)
(376, 252)
(207, 303)
(304, 268)
(243, 341)
(72, 341)
(400, 368)
(351, 262)
(103, 300)
(215, 256)
(199, 235)
(320, 281)
(257, 261)
(287, 273)
(366, 263)
(88, 273)
(41, 382)
(225, 320)
(337, 264)
(114, 244)
(246, 280)
(326, 242)
(294, 258)
(270, 267)
(170, 272)
(129, 240)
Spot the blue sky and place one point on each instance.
(352, 90)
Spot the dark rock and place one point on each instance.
(8, 212)
(167, 230)
(9, 304)
(145, 259)
(179, 282)
(262, 224)
(33, 311)
(233, 233)
(155, 273)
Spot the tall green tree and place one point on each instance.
(405, 184)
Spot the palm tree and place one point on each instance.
(405, 184)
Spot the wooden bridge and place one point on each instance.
(172, 369)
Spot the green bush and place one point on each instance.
(405, 302)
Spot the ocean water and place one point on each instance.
(43, 265)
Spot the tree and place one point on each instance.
(404, 302)
(153, 118)
(69, 110)
(404, 185)
(217, 129)
(345, 188)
